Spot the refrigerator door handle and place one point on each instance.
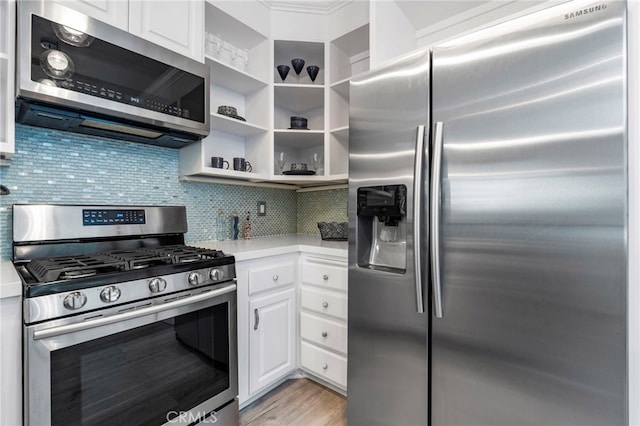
(434, 218)
(417, 204)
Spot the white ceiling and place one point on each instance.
(420, 13)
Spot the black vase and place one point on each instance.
(283, 70)
(313, 71)
(298, 64)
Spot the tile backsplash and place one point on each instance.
(321, 206)
(52, 166)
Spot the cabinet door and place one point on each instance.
(7, 76)
(175, 24)
(113, 12)
(272, 341)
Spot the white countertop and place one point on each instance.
(277, 244)
(10, 284)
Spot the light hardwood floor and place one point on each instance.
(297, 402)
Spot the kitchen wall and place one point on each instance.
(51, 166)
(321, 206)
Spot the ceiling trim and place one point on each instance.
(308, 6)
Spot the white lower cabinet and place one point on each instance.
(272, 340)
(323, 318)
(267, 323)
(324, 364)
(274, 328)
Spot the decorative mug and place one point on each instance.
(219, 162)
(242, 165)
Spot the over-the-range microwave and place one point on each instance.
(79, 74)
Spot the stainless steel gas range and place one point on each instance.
(124, 323)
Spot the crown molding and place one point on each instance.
(306, 6)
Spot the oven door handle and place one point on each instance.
(136, 313)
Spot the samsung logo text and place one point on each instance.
(585, 11)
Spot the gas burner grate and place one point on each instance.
(186, 254)
(70, 267)
(141, 258)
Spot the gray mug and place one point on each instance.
(242, 165)
(219, 162)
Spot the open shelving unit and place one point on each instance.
(248, 92)
(267, 103)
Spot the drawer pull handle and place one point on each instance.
(325, 366)
(325, 334)
(275, 277)
(325, 277)
(325, 304)
(257, 319)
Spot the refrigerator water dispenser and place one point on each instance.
(381, 235)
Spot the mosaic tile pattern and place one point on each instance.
(51, 167)
(321, 206)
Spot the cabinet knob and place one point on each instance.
(325, 304)
(275, 277)
(325, 334)
(325, 366)
(325, 277)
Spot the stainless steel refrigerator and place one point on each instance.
(488, 227)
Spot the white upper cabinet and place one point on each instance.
(7, 92)
(113, 12)
(175, 24)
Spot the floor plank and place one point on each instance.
(297, 402)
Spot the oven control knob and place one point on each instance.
(157, 285)
(195, 278)
(110, 294)
(216, 274)
(75, 300)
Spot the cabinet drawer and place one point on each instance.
(325, 302)
(326, 274)
(271, 277)
(328, 333)
(324, 364)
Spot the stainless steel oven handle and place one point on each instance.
(71, 328)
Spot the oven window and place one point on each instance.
(138, 376)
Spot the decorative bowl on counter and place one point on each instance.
(333, 231)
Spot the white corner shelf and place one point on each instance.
(299, 97)
(342, 87)
(234, 174)
(221, 123)
(232, 78)
(298, 139)
(341, 132)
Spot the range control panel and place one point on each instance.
(92, 217)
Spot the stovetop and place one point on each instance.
(59, 274)
(89, 265)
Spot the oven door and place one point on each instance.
(169, 360)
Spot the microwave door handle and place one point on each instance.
(417, 215)
(136, 313)
(434, 218)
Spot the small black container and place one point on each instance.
(299, 123)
